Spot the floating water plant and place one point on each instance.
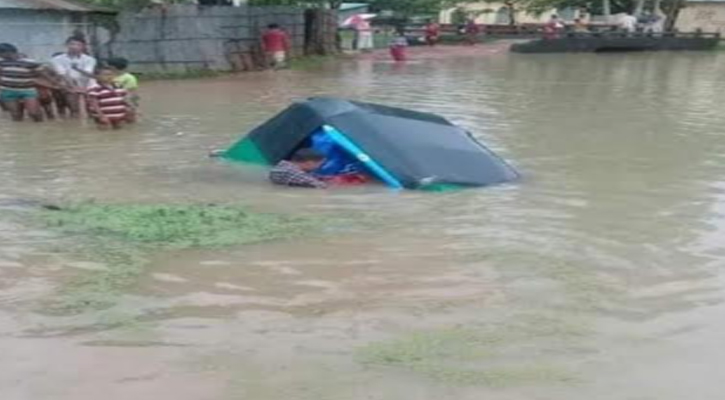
(473, 355)
(122, 236)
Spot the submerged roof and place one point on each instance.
(58, 5)
(418, 149)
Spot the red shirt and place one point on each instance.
(472, 28)
(275, 40)
(432, 30)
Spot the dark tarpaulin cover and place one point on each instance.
(417, 148)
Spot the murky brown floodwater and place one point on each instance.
(616, 232)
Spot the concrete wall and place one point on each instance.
(710, 17)
(38, 34)
(183, 38)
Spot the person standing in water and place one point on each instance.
(364, 34)
(432, 33)
(471, 31)
(76, 68)
(18, 92)
(399, 46)
(124, 79)
(107, 102)
(276, 44)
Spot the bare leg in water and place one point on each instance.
(32, 108)
(73, 102)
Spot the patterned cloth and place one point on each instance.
(111, 102)
(18, 74)
(288, 174)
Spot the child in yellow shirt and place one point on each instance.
(125, 80)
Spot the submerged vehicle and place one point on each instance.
(402, 148)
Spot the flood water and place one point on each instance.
(612, 243)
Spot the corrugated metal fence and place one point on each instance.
(183, 38)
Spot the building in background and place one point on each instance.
(39, 28)
(706, 15)
(497, 13)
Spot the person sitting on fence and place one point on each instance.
(651, 22)
(298, 170)
(580, 26)
(553, 28)
(108, 103)
(276, 44)
(628, 23)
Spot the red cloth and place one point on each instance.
(398, 53)
(472, 28)
(349, 180)
(275, 40)
(551, 30)
(432, 30)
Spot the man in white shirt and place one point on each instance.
(628, 23)
(77, 69)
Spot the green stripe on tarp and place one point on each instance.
(441, 187)
(246, 151)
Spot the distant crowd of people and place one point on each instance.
(71, 85)
(647, 22)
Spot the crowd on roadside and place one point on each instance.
(72, 84)
(647, 22)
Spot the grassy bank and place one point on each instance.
(122, 237)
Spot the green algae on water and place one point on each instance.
(122, 237)
(175, 226)
(472, 355)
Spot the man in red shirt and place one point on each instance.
(276, 45)
(432, 33)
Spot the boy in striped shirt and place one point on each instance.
(107, 102)
(17, 84)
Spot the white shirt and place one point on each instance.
(64, 65)
(629, 23)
